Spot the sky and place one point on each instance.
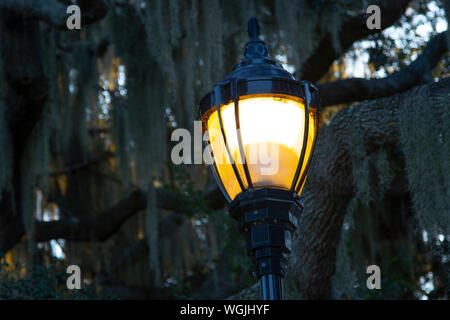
(357, 60)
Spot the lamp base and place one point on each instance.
(267, 217)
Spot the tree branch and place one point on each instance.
(356, 89)
(82, 165)
(26, 93)
(96, 229)
(109, 222)
(54, 12)
(352, 30)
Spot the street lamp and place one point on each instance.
(260, 106)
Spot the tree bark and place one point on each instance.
(329, 187)
(26, 93)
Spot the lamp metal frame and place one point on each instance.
(266, 216)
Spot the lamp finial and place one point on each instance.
(253, 28)
(255, 48)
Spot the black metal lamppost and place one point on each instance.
(260, 104)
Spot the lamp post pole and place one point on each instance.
(267, 217)
(271, 287)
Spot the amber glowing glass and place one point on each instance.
(272, 129)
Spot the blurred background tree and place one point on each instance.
(86, 118)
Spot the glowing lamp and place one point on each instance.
(261, 127)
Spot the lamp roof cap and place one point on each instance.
(257, 63)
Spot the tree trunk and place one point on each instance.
(24, 101)
(330, 185)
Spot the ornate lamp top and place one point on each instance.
(257, 62)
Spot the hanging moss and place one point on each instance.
(295, 18)
(121, 139)
(334, 26)
(344, 279)
(35, 159)
(5, 144)
(175, 30)
(34, 167)
(151, 228)
(428, 184)
(84, 82)
(5, 154)
(428, 178)
(360, 167)
(383, 174)
(146, 88)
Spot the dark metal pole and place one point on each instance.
(267, 217)
(271, 287)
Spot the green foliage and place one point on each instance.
(396, 281)
(41, 283)
(398, 46)
(233, 247)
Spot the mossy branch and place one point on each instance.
(357, 89)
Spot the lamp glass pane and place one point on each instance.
(220, 154)
(271, 128)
